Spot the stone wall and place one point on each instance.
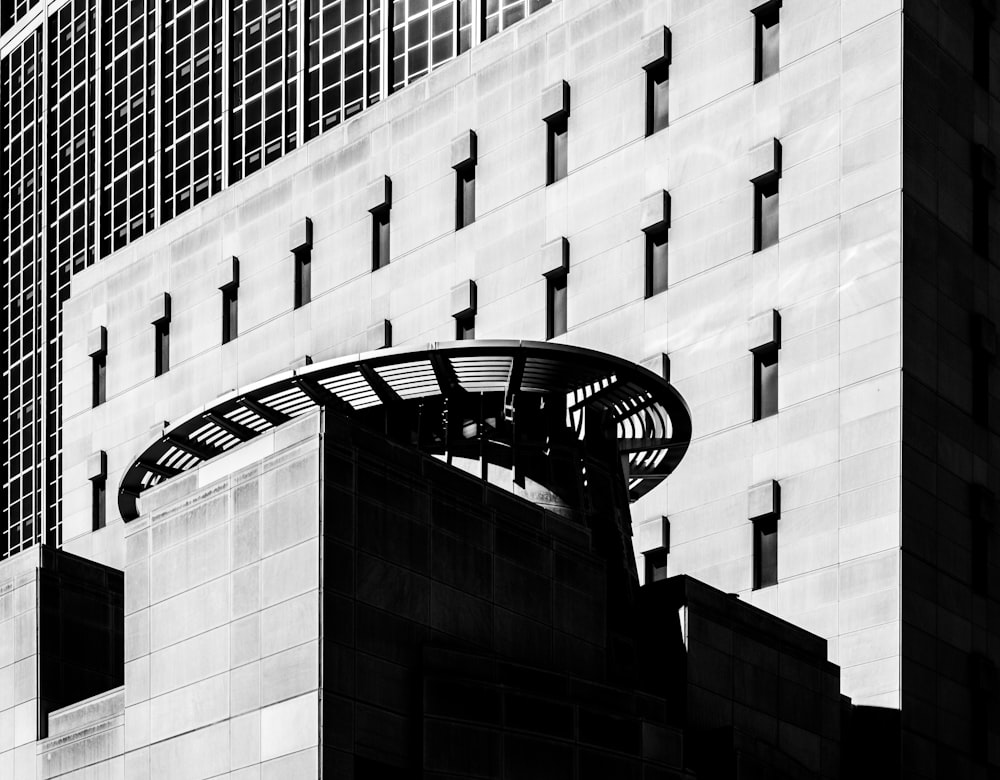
(834, 277)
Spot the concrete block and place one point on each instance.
(655, 49)
(300, 235)
(463, 299)
(655, 211)
(97, 465)
(464, 149)
(378, 194)
(378, 336)
(227, 273)
(97, 341)
(764, 331)
(158, 309)
(555, 101)
(765, 160)
(765, 500)
(555, 257)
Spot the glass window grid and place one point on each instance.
(498, 15)
(121, 192)
(13, 12)
(263, 78)
(191, 131)
(70, 176)
(339, 45)
(427, 34)
(128, 112)
(23, 339)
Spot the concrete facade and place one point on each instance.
(834, 276)
(321, 603)
(881, 448)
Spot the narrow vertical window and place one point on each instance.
(303, 277)
(558, 139)
(766, 27)
(380, 238)
(656, 261)
(99, 366)
(656, 559)
(657, 98)
(97, 348)
(465, 327)
(99, 502)
(230, 313)
(765, 214)
(765, 552)
(555, 305)
(765, 383)
(656, 564)
(465, 195)
(162, 331)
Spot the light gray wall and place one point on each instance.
(834, 277)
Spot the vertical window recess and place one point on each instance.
(465, 195)
(765, 552)
(765, 216)
(230, 312)
(380, 237)
(555, 305)
(556, 155)
(97, 473)
(162, 346)
(465, 327)
(99, 502)
(99, 364)
(656, 564)
(657, 97)
(766, 40)
(765, 383)
(656, 261)
(303, 277)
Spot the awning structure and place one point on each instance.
(653, 423)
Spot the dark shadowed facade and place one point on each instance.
(220, 216)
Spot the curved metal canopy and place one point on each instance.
(653, 422)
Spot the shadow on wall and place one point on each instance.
(871, 742)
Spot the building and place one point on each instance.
(750, 199)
